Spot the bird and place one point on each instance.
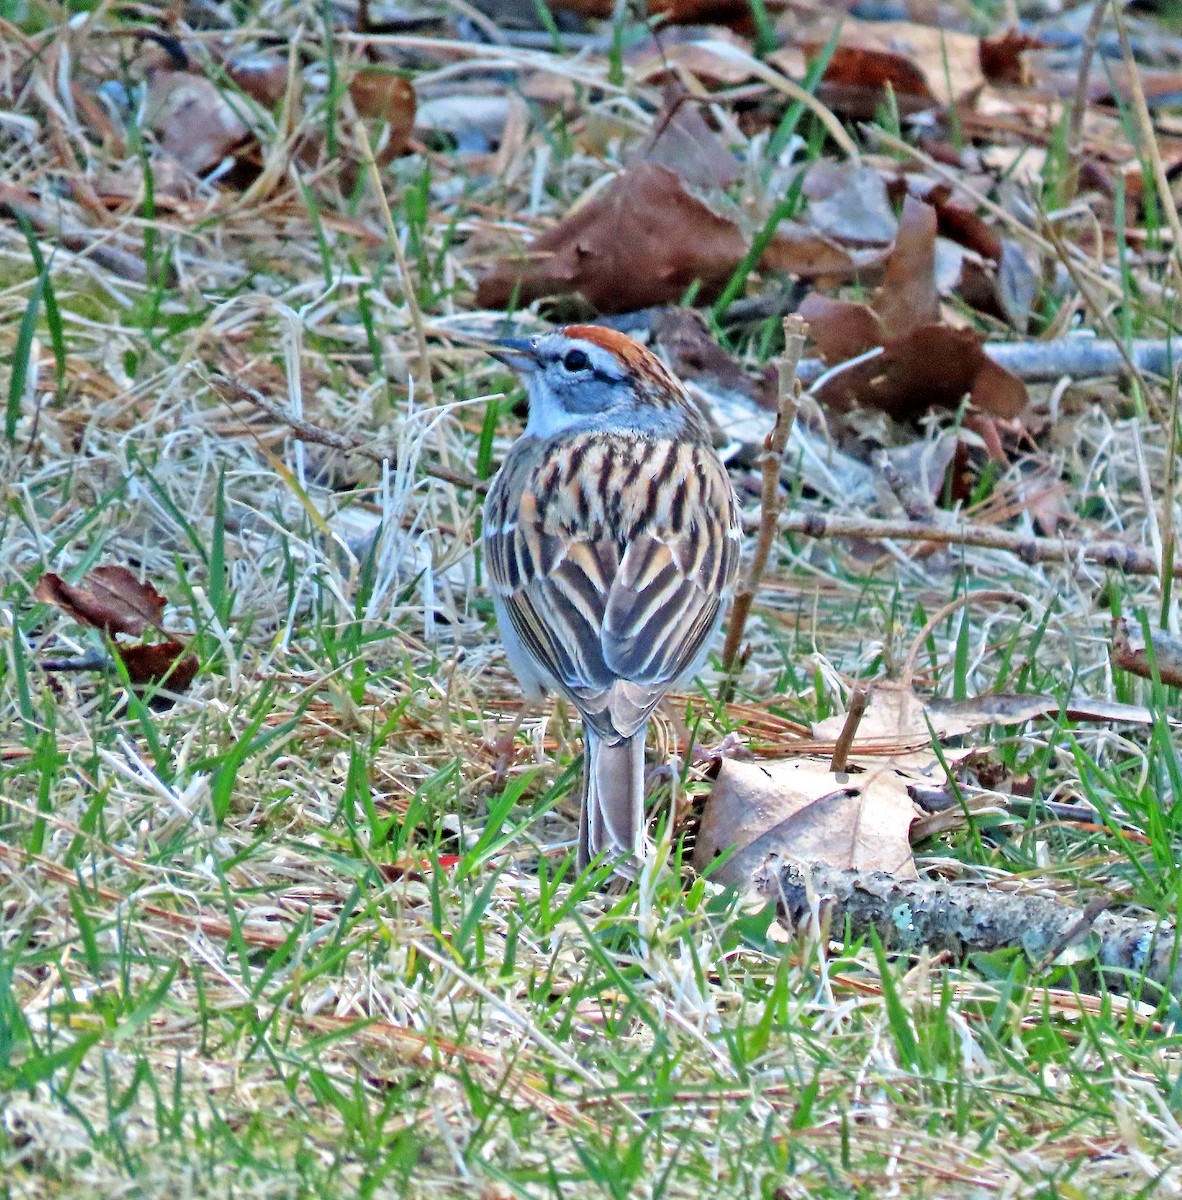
(611, 539)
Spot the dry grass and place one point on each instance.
(304, 930)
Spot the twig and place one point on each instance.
(349, 443)
(1076, 356)
(1117, 556)
(845, 739)
(772, 462)
(965, 918)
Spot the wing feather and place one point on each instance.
(613, 610)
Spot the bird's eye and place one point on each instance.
(576, 360)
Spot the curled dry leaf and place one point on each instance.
(644, 216)
(1130, 653)
(384, 96)
(896, 718)
(109, 598)
(1001, 58)
(865, 817)
(114, 600)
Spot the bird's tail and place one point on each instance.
(613, 797)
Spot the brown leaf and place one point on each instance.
(840, 329)
(995, 391)
(1001, 58)
(872, 68)
(109, 598)
(1130, 653)
(643, 241)
(807, 253)
(192, 120)
(381, 95)
(682, 141)
(908, 297)
(798, 807)
(931, 367)
(159, 662)
(262, 77)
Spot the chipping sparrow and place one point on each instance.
(612, 539)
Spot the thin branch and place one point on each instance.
(853, 718)
(1114, 555)
(772, 462)
(967, 918)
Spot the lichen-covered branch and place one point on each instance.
(965, 918)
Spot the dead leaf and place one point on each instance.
(1001, 58)
(644, 216)
(840, 329)
(158, 662)
(896, 717)
(808, 253)
(1130, 653)
(848, 201)
(908, 297)
(947, 61)
(931, 367)
(110, 598)
(263, 77)
(192, 120)
(859, 820)
(382, 95)
(682, 141)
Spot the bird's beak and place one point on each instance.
(518, 353)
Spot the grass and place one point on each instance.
(307, 930)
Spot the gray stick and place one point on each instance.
(965, 918)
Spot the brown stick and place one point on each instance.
(772, 462)
(234, 389)
(853, 718)
(1118, 556)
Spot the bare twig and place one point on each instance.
(234, 389)
(845, 739)
(1076, 356)
(1117, 556)
(772, 462)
